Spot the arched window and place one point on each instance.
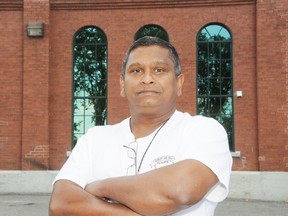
(89, 80)
(152, 30)
(215, 76)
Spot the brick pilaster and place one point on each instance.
(35, 127)
(272, 79)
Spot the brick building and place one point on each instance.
(36, 74)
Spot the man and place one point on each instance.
(157, 162)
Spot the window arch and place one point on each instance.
(152, 30)
(215, 76)
(89, 80)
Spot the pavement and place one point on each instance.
(37, 205)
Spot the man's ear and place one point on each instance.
(122, 90)
(180, 82)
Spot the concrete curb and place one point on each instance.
(265, 186)
(26, 182)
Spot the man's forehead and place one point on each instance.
(154, 46)
(156, 51)
(152, 63)
(164, 55)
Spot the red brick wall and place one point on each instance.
(35, 122)
(272, 87)
(183, 26)
(11, 55)
(35, 115)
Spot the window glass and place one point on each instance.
(152, 30)
(89, 80)
(215, 76)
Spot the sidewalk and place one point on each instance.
(37, 205)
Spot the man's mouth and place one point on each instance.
(147, 92)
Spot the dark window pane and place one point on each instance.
(90, 80)
(226, 68)
(215, 107)
(226, 50)
(226, 87)
(79, 124)
(214, 76)
(227, 107)
(203, 85)
(203, 69)
(227, 122)
(90, 35)
(214, 51)
(203, 106)
(214, 69)
(214, 86)
(152, 30)
(100, 105)
(202, 51)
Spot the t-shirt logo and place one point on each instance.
(162, 161)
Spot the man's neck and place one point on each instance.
(142, 125)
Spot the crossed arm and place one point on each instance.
(160, 192)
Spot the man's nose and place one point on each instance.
(147, 77)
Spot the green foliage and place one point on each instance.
(89, 79)
(214, 76)
(152, 30)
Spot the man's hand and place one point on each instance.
(160, 192)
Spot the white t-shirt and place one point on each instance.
(100, 154)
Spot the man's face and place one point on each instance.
(150, 80)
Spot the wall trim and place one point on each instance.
(144, 4)
(8, 5)
(265, 186)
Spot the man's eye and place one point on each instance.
(159, 70)
(137, 70)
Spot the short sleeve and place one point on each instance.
(76, 168)
(210, 147)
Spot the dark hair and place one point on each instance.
(151, 41)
